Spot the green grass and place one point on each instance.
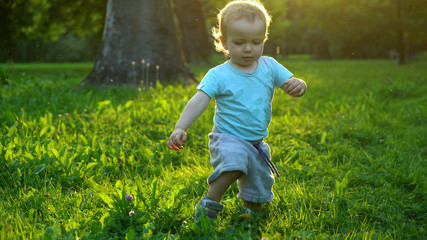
(352, 154)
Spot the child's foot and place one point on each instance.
(209, 206)
(250, 208)
(257, 207)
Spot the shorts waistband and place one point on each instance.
(215, 130)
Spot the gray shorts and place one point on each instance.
(230, 153)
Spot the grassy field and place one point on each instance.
(352, 154)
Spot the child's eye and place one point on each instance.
(238, 43)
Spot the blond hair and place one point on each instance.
(248, 9)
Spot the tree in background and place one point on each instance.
(7, 26)
(139, 44)
(193, 34)
(408, 21)
(276, 43)
(324, 29)
(366, 28)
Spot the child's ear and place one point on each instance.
(223, 42)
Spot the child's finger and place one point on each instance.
(171, 145)
(291, 89)
(176, 141)
(178, 144)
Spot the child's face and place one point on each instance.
(245, 42)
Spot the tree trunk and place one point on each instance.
(139, 44)
(400, 36)
(195, 42)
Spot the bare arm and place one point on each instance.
(295, 87)
(194, 108)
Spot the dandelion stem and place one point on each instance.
(157, 73)
(142, 70)
(134, 73)
(147, 79)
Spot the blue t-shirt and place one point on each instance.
(243, 100)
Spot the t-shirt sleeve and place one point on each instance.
(209, 84)
(282, 74)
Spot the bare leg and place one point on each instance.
(218, 187)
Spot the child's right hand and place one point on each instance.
(295, 87)
(177, 139)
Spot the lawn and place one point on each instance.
(352, 154)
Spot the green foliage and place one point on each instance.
(4, 76)
(31, 23)
(351, 153)
(69, 48)
(363, 29)
(34, 30)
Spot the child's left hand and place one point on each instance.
(295, 87)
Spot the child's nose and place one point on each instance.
(247, 47)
